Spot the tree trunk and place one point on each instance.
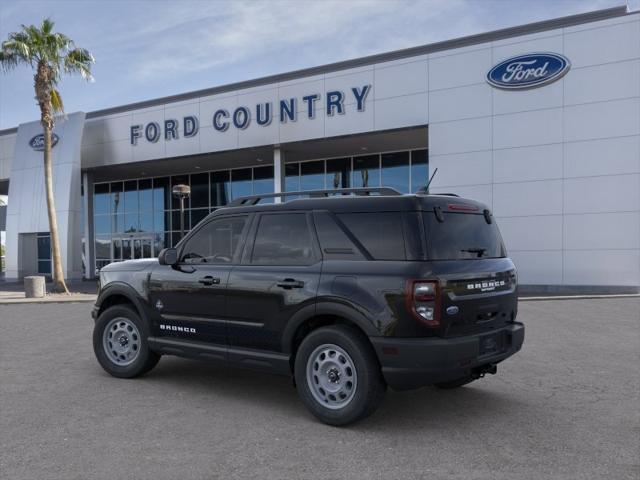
(43, 95)
(59, 284)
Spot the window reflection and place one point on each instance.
(395, 171)
(220, 188)
(366, 171)
(101, 198)
(241, 182)
(200, 190)
(145, 209)
(339, 173)
(419, 169)
(263, 181)
(312, 175)
(161, 194)
(292, 177)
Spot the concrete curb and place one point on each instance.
(578, 297)
(56, 299)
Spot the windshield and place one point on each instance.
(462, 236)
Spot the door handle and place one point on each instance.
(209, 280)
(289, 283)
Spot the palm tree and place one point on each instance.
(50, 55)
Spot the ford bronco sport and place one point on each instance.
(348, 291)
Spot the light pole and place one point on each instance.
(182, 192)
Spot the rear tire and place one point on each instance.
(338, 375)
(120, 343)
(460, 382)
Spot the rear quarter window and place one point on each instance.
(381, 234)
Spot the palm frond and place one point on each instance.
(56, 101)
(8, 60)
(79, 60)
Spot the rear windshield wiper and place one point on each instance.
(479, 251)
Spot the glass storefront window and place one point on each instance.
(145, 222)
(175, 220)
(161, 194)
(158, 242)
(145, 211)
(312, 175)
(102, 224)
(395, 171)
(161, 221)
(101, 198)
(220, 188)
(366, 171)
(241, 183)
(263, 181)
(419, 169)
(117, 198)
(338, 173)
(200, 190)
(145, 195)
(103, 247)
(292, 177)
(131, 203)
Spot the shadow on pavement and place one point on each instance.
(428, 408)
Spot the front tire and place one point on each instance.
(338, 375)
(120, 343)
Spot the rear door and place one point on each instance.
(278, 276)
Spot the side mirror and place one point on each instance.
(168, 256)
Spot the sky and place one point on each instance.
(146, 49)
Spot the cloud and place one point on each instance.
(148, 49)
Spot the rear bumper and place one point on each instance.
(415, 362)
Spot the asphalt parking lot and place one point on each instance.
(566, 407)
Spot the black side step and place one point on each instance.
(272, 362)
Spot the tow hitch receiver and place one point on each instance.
(479, 372)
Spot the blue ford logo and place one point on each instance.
(528, 71)
(37, 142)
(452, 310)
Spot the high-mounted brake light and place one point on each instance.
(423, 301)
(461, 207)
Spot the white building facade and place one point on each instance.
(541, 122)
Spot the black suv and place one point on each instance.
(348, 291)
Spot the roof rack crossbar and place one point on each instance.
(255, 199)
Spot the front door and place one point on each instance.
(189, 298)
(278, 276)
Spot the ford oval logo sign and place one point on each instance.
(37, 142)
(528, 71)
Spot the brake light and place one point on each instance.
(423, 301)
(461, 207)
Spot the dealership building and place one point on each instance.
(541, 122)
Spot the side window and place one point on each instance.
(380, 233)
(335, 243)
(216, 242)
(283, 239)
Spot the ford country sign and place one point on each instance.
(528, 71)
(37, 142)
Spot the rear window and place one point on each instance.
(462, 236)
(379, 233)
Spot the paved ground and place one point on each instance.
(566, 407)
(81, 291)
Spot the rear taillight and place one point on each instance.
(423, 300)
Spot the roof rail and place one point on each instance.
(254, 199)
